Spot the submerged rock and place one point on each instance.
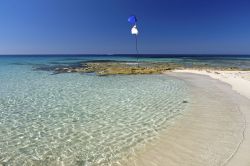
(113, 68)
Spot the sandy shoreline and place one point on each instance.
(213, 131)
(239, 80)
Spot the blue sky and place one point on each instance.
(101, 27)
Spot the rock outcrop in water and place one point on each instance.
(109, 67)
(114, 68)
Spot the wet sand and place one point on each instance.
(212, 131)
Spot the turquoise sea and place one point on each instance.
(84, 119)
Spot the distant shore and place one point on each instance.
(214, 130)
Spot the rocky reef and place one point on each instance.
(109, 67)
(114, 68)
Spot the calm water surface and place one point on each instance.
(80, 119)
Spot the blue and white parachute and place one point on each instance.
(134, 31)
(132, 20)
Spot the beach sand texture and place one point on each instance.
(213, 131)
(239, 82)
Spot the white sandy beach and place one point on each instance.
(239, 80)
(214, 131)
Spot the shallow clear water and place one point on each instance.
(76, 119)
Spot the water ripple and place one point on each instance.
(74, 119)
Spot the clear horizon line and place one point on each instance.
(37, 54)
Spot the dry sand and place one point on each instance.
(239, 80)
(214, 131)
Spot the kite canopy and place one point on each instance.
(132, 20)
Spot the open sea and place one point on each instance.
(84, 119)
